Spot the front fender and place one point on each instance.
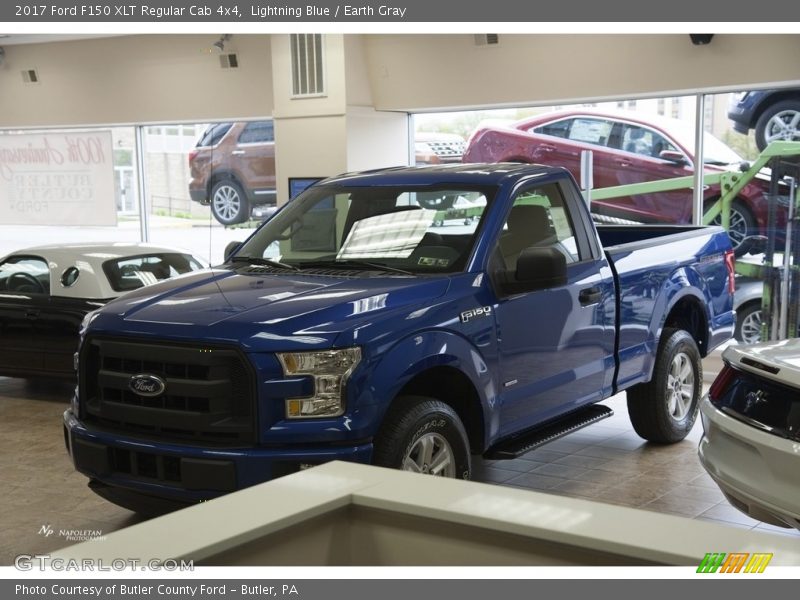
(421, 352)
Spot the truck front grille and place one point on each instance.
(208, 395)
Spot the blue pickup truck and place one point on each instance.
(408, 317)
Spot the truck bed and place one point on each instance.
(643, 236)
(652, 265)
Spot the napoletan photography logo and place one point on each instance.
(734, 562)
(72, 535)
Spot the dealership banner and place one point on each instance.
(398, 11)
(64, 178)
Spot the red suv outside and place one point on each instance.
(233, 169)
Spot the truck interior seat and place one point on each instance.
(528, 225)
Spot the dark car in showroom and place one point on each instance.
(47, 291)
(773, 114)
(629, 148)
(233, 170)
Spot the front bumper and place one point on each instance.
(756, 470)
(187, 474)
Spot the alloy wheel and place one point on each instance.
(431, 454)
(680, 386)
(227, 202)
(784, 125)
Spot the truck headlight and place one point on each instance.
(330, 370)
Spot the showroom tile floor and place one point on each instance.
(606, 462)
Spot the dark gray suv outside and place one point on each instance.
(774, 114)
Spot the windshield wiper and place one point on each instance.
(269, 262)
(354, 264)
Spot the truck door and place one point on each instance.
(556, 345)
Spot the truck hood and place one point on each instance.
(257, 311)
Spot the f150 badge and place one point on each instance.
(474, 313)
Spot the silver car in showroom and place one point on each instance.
(751, 422)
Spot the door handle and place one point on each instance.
(623, 163)
(237, 152)
(31, 313)
(548, 148)
(589, 296)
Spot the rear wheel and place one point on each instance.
(780, 122)
(228, 203)
(423, 435)
(748, 323)
(665, 408)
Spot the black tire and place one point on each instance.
(748, 323)
(229, 204)
(655, 411)
(414, 423)
(742, 225)
(768, 124)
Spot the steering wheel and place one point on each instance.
(24, 282)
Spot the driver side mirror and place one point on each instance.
(230, 249)
(672, 156)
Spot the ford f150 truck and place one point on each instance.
(349, 327)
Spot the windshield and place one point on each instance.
(715, 152)
(411, 229)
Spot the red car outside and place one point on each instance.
(628, 148)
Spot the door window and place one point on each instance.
(643, 141)
(591, 131)
(538, 218)
(257, 132)
(556, 129)
(25, 275)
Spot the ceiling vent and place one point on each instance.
(487, 39)
(30, 76)
(228, 61)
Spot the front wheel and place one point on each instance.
(665, 408)
(423, 435)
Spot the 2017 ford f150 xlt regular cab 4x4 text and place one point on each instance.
(349, 327)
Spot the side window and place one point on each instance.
(214, 134)
(591, 131)
(25, 275)
(643, 141)
(556, 129)
(538, 218)
(131, 273)
(257, 132)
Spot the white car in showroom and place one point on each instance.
(46, 291)
(751, 423)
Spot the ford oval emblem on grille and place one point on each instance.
(147, 385)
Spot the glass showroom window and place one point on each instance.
(209, 183)
(67, 185)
